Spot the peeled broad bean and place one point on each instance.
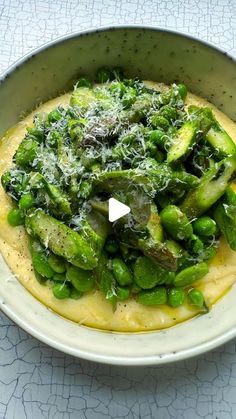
(156, 296)
(176, 223)
(81, 280)
(190, 275)
(121, 272)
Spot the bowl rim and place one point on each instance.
(92, 355)
(74, 34)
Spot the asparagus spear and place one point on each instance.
(225, 216)
(221, 141)
(216, 136)
(183, 142)
(151, 180)
(211, 187)
(82, 251)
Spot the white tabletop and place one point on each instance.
(38, 382)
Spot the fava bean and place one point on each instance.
(57, 263)
(190, 275)
(61, 291)
(147, 274)
(121, 272)
(39, 260)
(75, 294)
(176, 223)
(59, 277)
(107, 286)
(195, 297)
(176, 297)
(155, 296)
(81, 280)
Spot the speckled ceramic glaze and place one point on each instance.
(150, 54)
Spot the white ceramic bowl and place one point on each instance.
(151, 54)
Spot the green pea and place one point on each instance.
(75, 294)
(176, 297)
(112, 245)
(103, 75)
(84, 82)
(190, 275)
(59, 277)
(121, 272)
(182, 90)
(61, 291)
(129, 97)
(155, 296)
(26, 201)
(169, 112)
(54, 116)
(57, 263)
(204, 226)
(81, 280)
(122, 293)
(195, 297)
(147, 274)
(176, 223)
(159, 121)
(195, 245)
(157, 137)
(15, 217)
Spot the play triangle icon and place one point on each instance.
(117, 210)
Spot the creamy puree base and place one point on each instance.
(93, 309)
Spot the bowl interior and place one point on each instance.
(149, 54)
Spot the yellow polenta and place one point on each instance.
(93, 309)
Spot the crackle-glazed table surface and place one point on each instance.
(39, 382)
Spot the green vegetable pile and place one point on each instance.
(173, 165)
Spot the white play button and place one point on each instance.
(117, 210)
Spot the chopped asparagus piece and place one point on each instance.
(63, 241)
(183, 142)
(211, 187)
